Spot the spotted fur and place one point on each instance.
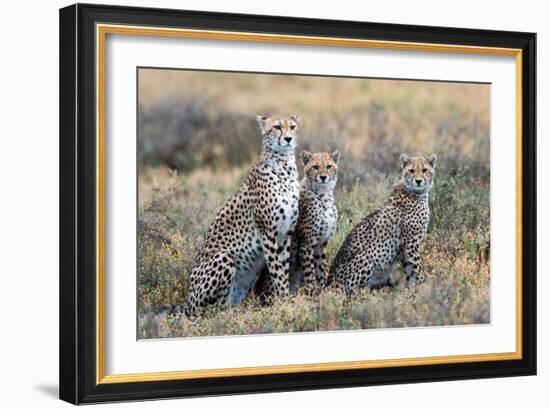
(253, 230)
(316, 221)
(391, 234)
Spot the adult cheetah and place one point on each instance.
(389, 235)
(316, 221)
(253, 230)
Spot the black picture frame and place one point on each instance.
(78, 360)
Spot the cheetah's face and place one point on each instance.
(321, 169)
(279, 132)
(418, 172)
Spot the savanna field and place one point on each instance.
(197, 138)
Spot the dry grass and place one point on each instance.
(197, 139)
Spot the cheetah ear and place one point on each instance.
(306, 157)
(295, 118)
(432, 159)
(403, 159)
(335, 156)
(261, 122)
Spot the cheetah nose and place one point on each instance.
(418, 181)
(323, 178)
(288, 138)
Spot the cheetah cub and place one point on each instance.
(253, 230)
(389, 235)
(316, 221)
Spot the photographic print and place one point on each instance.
(281, 203)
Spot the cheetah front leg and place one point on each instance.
(276, 258)
(321, 265)
(285, 251)
(412, 264)
(307, 263)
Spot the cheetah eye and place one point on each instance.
(277, 127)
(315, 167)
(292, 127)
(329, 166)
(424, 170)
(411, 171)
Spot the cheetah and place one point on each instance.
(391, 234)
(317, 219)
(253, 230)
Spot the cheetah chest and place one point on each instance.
(328, 225)
(288, 212)
(416, 220)
(286, 209)
(324, 218)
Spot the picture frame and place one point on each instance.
(83, 190)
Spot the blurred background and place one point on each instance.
(197, 138)
(191, 120)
